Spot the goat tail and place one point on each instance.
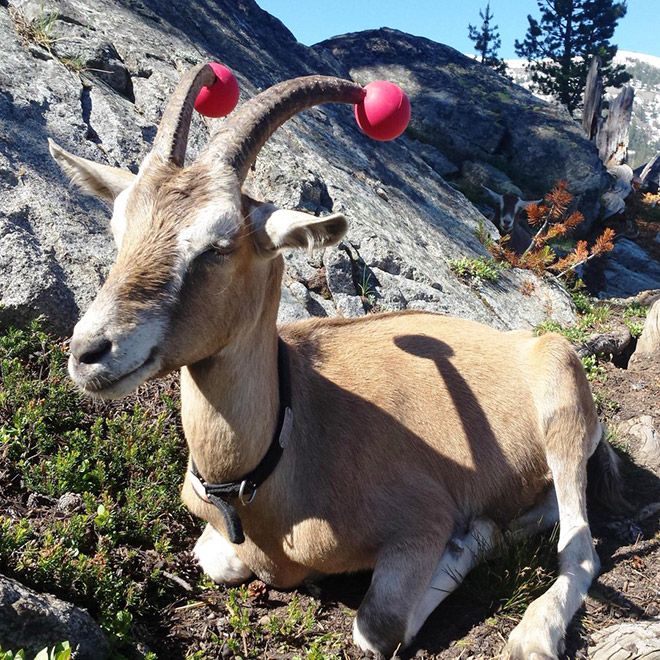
(604, 480)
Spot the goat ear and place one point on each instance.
(524, 203)
(495, 197)
(276, 229)
(99, 180)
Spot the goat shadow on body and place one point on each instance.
(349, 589)
(460, 613)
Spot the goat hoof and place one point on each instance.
(360, 640)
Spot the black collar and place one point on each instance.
(245, 488)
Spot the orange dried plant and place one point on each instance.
(552, 220)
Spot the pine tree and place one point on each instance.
(561, 44)
(487, 41)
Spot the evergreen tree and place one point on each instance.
(487, 41)
(561, 44)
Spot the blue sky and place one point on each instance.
(446, 20)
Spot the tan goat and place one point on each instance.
(408, 439)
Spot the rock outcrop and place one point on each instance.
(94, 76)
(470, 113)
(32, 622)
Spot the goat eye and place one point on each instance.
(218, 250)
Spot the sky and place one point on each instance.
(446, 21)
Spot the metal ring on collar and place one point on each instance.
(241, 492)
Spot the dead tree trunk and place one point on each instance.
(649, 175)
(612, 138)
(593, 99)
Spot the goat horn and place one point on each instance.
(172, 136)
(244, 133)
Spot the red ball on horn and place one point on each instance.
(221, 97)
(384, 112)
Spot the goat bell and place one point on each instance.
(221, 98)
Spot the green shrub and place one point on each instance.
(476, 270)
(126, 461)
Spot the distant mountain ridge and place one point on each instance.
(645, 128)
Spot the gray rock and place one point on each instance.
(627, 270)
(69, 502)
(29, 282)
(339, 271)
(318, 306)
(291, 309)
(33, 621)
(404, 218)
(644, 439)
(483, 174)
(648, 344)
(349, 306)
(436, 160)
(300, 292)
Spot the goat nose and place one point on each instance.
(90, 351)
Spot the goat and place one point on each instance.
(508, 207)
(398, 443)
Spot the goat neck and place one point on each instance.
(230, 400)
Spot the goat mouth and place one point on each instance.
(107, 387)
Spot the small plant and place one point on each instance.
(527, 288)
(38, 31)
(521, 571)
(125, 463)
(119, 625)
(12, 655)
(592, 368)
(605, 405)
(553, 222)
(239, 620)
(635, 327)
(620, 444)
(476, 270)
(75, 64)
(575, 333)
(298, 620)
(649, 207)
(581, 301)
(592, 318)
(366, 287)
(633, 317)
(482, 235)
(61, 651)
